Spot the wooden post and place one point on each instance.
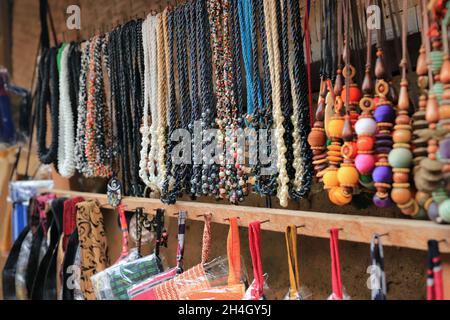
(5, 35)
(446, 274)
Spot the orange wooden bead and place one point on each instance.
(402, 136)
(335, 128)
(365, 143)
(401, 177)
(401, 196)
(354, 96)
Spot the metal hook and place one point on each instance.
(228, 219)
(301, 226)
(339, 229)
(265, 221)
(444, 241)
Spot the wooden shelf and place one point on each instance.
(403, 233)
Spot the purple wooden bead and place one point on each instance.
(444, 149)
(384, 113)
(433, 212)
(382, 175)
(382, 203)
(383, 150)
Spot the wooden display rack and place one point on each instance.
(403, 233)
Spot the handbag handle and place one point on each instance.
(254, 237)
(234, 253)
(335, 265)
(435, 288)
(124, 230)
(294, 275)
(206, 245)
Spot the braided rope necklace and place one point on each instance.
(48, 94)
(162, 46)
(270, 11)
(149, 138)
(66, 142)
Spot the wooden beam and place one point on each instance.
(5, 35)
(404, 233)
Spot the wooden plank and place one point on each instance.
(404, 233)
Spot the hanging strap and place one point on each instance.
(294, 275)
(234, 253)
(379, 289)
(124, 230)
(435, 289)
(206, 245)
(182, 216)
(335, 265)
(308, 61)
(254, 239)
(159, 226)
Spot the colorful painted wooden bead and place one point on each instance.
(348, 175)
(366, 126)
(365, 163)
(400, 158)
(330, 179)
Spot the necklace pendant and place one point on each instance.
(114, 192)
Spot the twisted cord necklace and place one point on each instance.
(270, 11)
(66, 124)
(303, 162)
(48, 94)
(265, 182)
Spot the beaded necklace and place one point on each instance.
(400, 158)
(80, 142)
(210, 170)
(384, 115)
(48, 94)
(66, 122)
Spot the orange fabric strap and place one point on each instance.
(234, 253)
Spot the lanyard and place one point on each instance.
(294, 275)
(234, 253)
(182, 216)
(254, 237)
(435, 290)
(377, 275)
(335, 265)
(124, 230)
(206, 244)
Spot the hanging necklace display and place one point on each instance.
(66, 118)
(270, 10)
(163, 53)
(400, 158)
(347, 174)
(171, 185)
(149, 148)
(265, 182)
(366, 126)
(384, 115)
(231, 176)
(444, 145)
(377, 275)
(428, 175)
(48, 94)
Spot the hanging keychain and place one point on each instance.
(338, 290)
(377, 275)
(435, 290)
(296, 291)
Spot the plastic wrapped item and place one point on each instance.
(113, 283)
(137, 292)
(21, 268)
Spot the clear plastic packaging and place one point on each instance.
(203, 282)
(249, 294)
(113, 283)
(344, 293)
(302, 294)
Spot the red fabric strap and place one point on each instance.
(254, 239)
(69, 218)
(124, 229)
(335, 265)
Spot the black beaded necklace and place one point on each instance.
(48, 94)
